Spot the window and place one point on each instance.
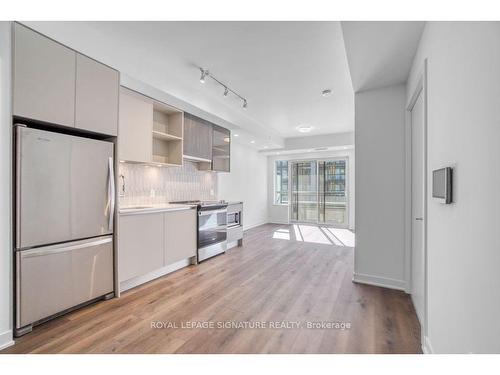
(281, 182)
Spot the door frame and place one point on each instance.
(347, 187)
(420, 88)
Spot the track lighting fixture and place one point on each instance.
(205, 74)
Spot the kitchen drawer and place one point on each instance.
(234, 234)
(54, 278)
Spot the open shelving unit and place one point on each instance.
(168, 131)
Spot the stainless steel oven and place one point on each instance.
(212, 230)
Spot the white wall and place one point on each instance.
(280, 213)
(5, 188)
(380, 176)
(246, 182)
(464, 132)
(323, 140)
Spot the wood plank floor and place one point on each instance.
(274, 277)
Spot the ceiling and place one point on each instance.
(380, 53)
(281, 68)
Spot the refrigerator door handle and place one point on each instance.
(18, 185)
(111, 193)
(63, 248)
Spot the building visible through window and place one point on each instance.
(281, 182)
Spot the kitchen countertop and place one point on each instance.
(162, 207)
(151, 208)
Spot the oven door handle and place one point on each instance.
(206, 213)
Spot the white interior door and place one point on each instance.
(418, 201)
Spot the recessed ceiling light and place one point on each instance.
(252, 141)
(266, 146)
(226, 139)
(326, 93)
(304, 128)
(236, 135)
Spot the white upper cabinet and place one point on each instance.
(97, 88)
(135, 142)
(44, 78)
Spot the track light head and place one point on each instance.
(204, 73)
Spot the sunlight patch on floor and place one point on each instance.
(316, 234)
(344, 236)
(282, 234)
(312, 233)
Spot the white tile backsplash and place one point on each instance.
(146, 184)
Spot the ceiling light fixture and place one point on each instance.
(252, 141)
(326, 93)
(304, 128)
(236, 135)
(205, 74)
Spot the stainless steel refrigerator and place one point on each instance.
(65, 198)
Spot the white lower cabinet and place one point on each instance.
(149, 242)
(180, 235)
(140, 245)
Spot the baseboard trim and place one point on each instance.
(279, 222)
(230, 245)
(6, 339)
(426, 346)
(253, 225)
(139, 280)
(383, 282)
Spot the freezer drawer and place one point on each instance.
(52, 279)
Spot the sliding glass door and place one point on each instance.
(304, 191)
(332, 208)
(318, 191)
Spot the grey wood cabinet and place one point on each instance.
(135, 142)
(44, 78)
(97, 88)
(221, 149)
(197, 138)
(140, 245)
(180, 235)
